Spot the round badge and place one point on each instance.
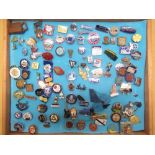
(116, 117)
(20, 83)
(18, 94)
(24, 63)
(32, 129)
(69, 124)
(54, 118)
(59, 39)
(39, 92)
(134, 119)
(57, 88)
(73, 27)
(14, 72)
(59, 51)
(71, 76)
(73, 113)
(81, 50)
(18, 115)
(93, 126)
(18, 127)
(114, 31)
(81, 125)
(70, 38)
(42, 108)
(42, 118)
(122, 71)
(129, 77)
(25, 74)
(71, 99)
(27, 116)
(93, 38)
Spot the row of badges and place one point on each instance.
(125, 76)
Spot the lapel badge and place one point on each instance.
(81, 87)
(39, 92)
(138, 81)
(82, 101)
(71, 76)
(24, 51)
(35, 65)
(61, 95)
(126, 88)
(112, 128)
(136, 38)
(27, 116)
(119, 80)
(60, 51)
(48, 44)
(136, 55)
(112, 55)
(125, 50)
(35, 55)
(18, 115)
(129, 77)
(31, 42)
(42, 118)
(71, 87)
(131, 69)
(93, 126)
(72, 63)
(97, 63)
(86, 27)
(114, 30)
(133, 46)
(122, 71)
(59, 39)
(97, 73)
(46, 124)
(90, 59)
(58, 70)
(127, 29)
(42, 108)
(20, 83)
(125, 128)
(54, 118)
(134, 119)
(55, 104)
(70, 38)
(117, 107)
(73, 27)
(29, 87)
(57, 88)
(81, 50)
(47, 56)
(24, 63)
(69, 124)
(126, 61)
(80, 40)
(71, 99)
(38, 30)
(114, 92)
(121, 41)
(113, 40)
(106, 40)
(96, 50)
(48, 29)
(70, 53)
(19, 127)
(32, 129)
(22, 106)
(62, 29)
(73, 113)
(100, 121)
(93, 38)
(43, 99)
(80, 124)
(102, 28)
(116, 117)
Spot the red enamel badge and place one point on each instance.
(58, 70)
(47, 56)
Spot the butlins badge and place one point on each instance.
(48, 29)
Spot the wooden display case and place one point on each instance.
(6, 27)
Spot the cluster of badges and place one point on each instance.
(90, 69)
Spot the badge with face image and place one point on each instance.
(54, 118)
(24, 63)
(32, 129)
(48, 29)
(57, 88)
(71, 99)
(80, 124)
